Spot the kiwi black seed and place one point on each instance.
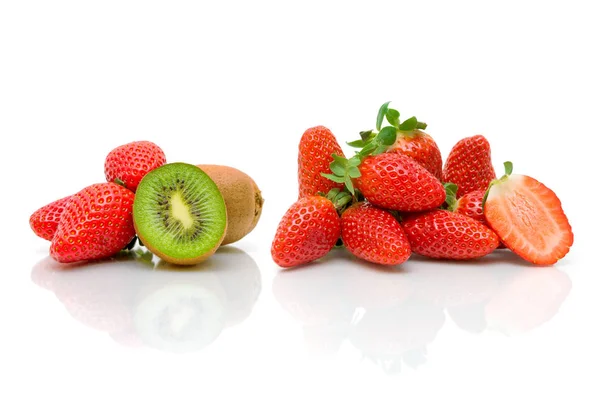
(179, 213)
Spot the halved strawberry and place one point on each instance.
(528, 217)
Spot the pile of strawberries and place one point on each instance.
(97, 221)
(394, 198)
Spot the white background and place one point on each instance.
(237, 83)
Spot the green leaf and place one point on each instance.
(380, 149)
(508, 168)
(337, 168)
(340, 159)
(357, 143)
(333, 192)
(382, 111)
(421, 125)
(368, 149)
(393, 117)
(349, 184)
(409, 125)
(335, 178)
(367, 135)
(342, 200)
(353, 172)
(354, 162)
(387, 135)
(451, 190)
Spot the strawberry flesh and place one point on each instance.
(529, 219)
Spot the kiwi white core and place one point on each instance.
(181, 211)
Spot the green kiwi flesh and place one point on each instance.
(179, 213)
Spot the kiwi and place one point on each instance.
(243, 200)
(179, 214)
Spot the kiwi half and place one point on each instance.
(179, 213)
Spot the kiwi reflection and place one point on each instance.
(392, 316)
(141, 302)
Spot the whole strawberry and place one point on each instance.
(421, 147)
(469, 165)
(374, 235)
(449, 235)
(308, 230)
(96, 223)
(397, 182)
(132, 161)
(314, 156)
(45, 220)
(471, 205)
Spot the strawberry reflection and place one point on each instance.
(140, 301)
(393, 315)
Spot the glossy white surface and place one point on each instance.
(237, 83)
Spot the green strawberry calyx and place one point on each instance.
(340, 198)
(451, 201)
(508, 169)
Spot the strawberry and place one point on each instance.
(397, 182)
(315, 151)
(421, 147)
(96, 223)
(44, 221)
(444, 234)
(469, 165)
(470, 204)
(308, 230)
(130, 162)
(374, 235)
(528, 217)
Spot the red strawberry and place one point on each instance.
(308, 230)
(469, 165)
(444, 234)
(374, 235)
(44, 221)
(96, 223)
(314, 156)
(529, 218)
(397, 182)
(471, 205)
(421, 147)
(132, 161)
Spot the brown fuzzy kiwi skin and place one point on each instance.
(242, 196)
(180, 261)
